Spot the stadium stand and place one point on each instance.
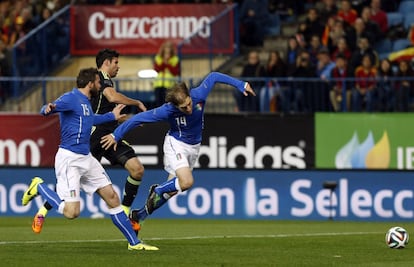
(279, 35)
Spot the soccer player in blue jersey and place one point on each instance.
(184, 111)
(75, 167)
(107, 62)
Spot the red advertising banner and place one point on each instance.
(28, 140)
(141, 29)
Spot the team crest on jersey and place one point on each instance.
(199, 106)
(178, 155)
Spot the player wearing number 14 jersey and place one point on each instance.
(184, 112)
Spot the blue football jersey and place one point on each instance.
(76, 120)
(183, 127)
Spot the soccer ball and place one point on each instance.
(396, 237)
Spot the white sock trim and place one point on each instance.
(116, 210)
(61, 207)
(177, 185)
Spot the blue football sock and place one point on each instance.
(161, 201)
(142, 214)
(121, 221)
(168, 187)
(50, 195)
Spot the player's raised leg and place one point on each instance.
(32, 191)
(37, 187)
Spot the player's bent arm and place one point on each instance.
(152, 115)
(102, 118)
(115, 114)
(47, 109)
(63, 103)
(115, 97)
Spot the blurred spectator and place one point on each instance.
(323, 71)
(16, 33)
(276, 66)
(288, 10)
(254, 17)
(363, 97)
(327, 9)
(339, 31)
(340, 86)
(379, 16)
(270, 95)
(357, 5)
(312, 25)
(18, 6)
(167, 65)
(329, 26)
(386, 94)
(364, 48)
(26, 14)
(299, 97)
(301, 41)
(403, 86)
(58, 32)
(4, 71)
(361, 31)
(3, 59)
(315, 46)
(390, 6)
(292, 53)
(347, 13)
(253, 72)
(342, 48)
(37, 8)
(371, 26)
(4, 21)
(411, 35)
(324, 64)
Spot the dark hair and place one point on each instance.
(341, 55)
(177, 94)
(105, 54)
(85, 76)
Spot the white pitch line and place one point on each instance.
(189, 238)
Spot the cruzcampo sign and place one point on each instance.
(364, 141)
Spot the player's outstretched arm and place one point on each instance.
(149, 116)
(216, 77)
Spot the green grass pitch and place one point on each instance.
(96, 242)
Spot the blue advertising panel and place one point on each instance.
(241, 194)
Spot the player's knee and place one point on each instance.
(137, 173)
(186, 184)
(112, 200)
(71, 213)
(135, 169)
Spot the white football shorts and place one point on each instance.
(76, 171)
(178, 154)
